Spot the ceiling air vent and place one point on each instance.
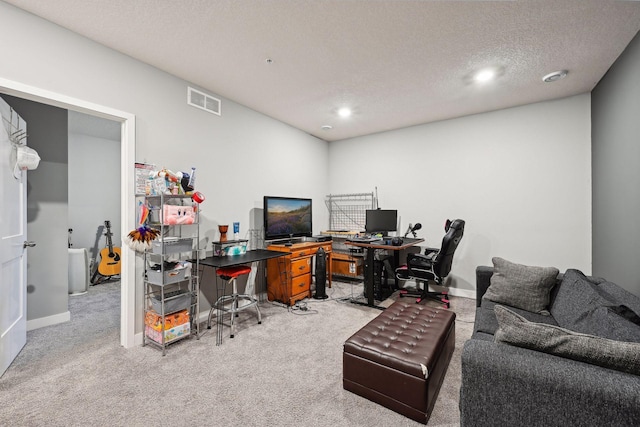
(203, 101)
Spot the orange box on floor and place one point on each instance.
(154, 320)
(169, 334)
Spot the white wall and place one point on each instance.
(616, 176)
(94, 191)
(240, 156)
(519, 177)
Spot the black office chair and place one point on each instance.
(432, 266)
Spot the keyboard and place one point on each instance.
(363, 239)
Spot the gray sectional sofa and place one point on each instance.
(570, 359)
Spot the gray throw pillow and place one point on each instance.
(595, 307)
(619, 295)
(521, 286)
(516, 330)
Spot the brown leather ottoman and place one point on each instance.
(400, 358)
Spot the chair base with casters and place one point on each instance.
(432, 266)
(230, 275)
(423, 293)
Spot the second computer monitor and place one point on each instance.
(381, 220)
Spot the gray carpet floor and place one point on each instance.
(285, 372)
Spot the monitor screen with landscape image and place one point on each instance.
(286, 217)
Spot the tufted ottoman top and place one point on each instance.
(406, 336)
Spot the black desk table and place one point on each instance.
(254, 255)
(249, 257)
(370, 259)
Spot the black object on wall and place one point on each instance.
(321, 275)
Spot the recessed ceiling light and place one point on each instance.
(344, 112)
(485, 75)
(555, 76)
(326, 127)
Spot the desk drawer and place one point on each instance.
(300, 284)
(300, 266)
(302, 252)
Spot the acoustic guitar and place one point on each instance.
(109, 256)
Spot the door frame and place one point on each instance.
(127, 183)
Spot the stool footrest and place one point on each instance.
(220, 304)
(233, 304)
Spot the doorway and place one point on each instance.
(127, 199)
(94, 186)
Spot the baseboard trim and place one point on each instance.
(48, 321)
(262, 296)
(465, 293)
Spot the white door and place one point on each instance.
(13, 234)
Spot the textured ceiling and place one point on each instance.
(395, 63)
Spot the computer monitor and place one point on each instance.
(381, 220)
(286, 217)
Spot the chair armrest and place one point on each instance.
(420, 258)
(483, 280)
(428, 251)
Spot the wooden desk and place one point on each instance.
(370, 259)
(289, 278)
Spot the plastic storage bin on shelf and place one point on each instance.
(230, 247)
(171, 245)
(159, 278)
(154, 320)
(170, 335)
(173, 301)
